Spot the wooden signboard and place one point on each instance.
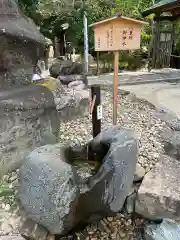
(116, 34)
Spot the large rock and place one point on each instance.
(170, 134)
(71, 103)
(77, 85)
(169, 117)
(171, 142)
(28, 115)
(167, 230)
(58, 197)
(65, 67)
(159, 194)
(49, 190)
(66, 79)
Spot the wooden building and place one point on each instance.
(166, 14)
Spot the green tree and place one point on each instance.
(50, 15)
(29, 7)
(132, 8)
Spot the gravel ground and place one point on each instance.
(134, 114)
(120, 227)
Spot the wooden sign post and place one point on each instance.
(115, 86)
(96, 109)
(113, 35)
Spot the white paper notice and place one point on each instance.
(99, 112)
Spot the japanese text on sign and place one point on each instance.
(127, 35)
(130, 33)
(124, 37)
(99, 112)
(99, 42)
(109, 37)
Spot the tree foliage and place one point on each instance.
(30, 8)
(50, 15)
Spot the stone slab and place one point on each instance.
(159, 195)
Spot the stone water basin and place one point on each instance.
(59, 189)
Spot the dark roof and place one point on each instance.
(159, 6)
(14, 23)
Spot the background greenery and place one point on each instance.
(49, 15)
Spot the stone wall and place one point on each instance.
(28, 119)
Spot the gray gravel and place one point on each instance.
(133, 114)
